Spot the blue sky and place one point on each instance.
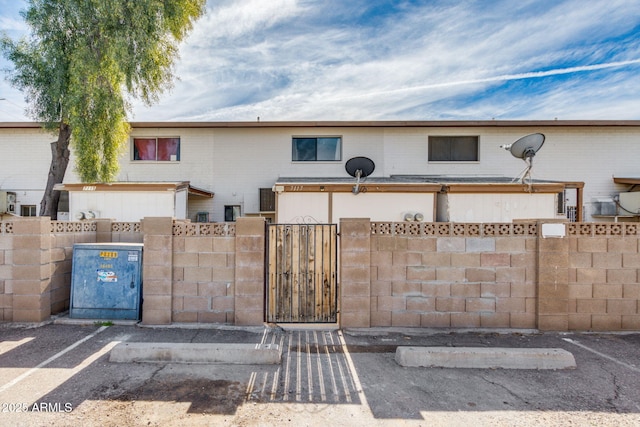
(396, 60)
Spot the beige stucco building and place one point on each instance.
(295, 171)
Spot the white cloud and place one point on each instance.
(320, 60)
(419, 57)
(245, 17)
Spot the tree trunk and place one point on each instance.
(59, 162)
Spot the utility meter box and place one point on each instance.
(106, 281)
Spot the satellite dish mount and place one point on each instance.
(526, 148)
(359, 168)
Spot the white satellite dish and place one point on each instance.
(526, 148)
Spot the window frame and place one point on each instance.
(316, 137)
(430, 148)
(157, 139)
(236, 212)
(32, 209)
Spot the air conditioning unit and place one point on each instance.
(604, 206)
(7, 202)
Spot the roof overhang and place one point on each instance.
(365, 124)
(421, 184)
(199, 192)
(626, 180)
(504, 188)
(135, 187)
(345, 185)
(390, 123)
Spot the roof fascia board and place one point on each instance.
(400, 124)
(363, 124)
(307, 187)
(505, 188)
(122, 186)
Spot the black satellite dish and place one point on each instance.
(359, 167)
(526, 148)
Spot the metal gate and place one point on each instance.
(301, 273)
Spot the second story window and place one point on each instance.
(156, 149)
(453, 149)
(316, 149)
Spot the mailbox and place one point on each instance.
(106, 281)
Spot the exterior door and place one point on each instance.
(302, 273)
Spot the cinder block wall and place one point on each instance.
(249, 271)
(354, 285)
(203, 273)
(121, 232)
(6, 252)
(30, 278)
(604, 277)
(392, 274)
(453, 275)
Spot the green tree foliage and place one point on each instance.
(83, 62)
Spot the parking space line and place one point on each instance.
(619, 362)
(49, 360)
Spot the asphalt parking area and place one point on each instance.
(61, 375)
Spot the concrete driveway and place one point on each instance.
(60, 374)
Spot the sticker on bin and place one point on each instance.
(107, 276)
(133, 256)
(108, 254)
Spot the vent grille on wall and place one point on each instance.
(267, 200)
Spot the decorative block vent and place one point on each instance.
(73, 226)
(446, 229)
(603, 229)
(222, 229)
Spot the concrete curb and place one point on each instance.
(485, 358)
(201, 353)
(94, 322)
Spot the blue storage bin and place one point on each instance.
(106, 281)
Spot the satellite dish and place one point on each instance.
(359, 167)
(526, 148)
(363, 165)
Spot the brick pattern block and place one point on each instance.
(460, 282)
